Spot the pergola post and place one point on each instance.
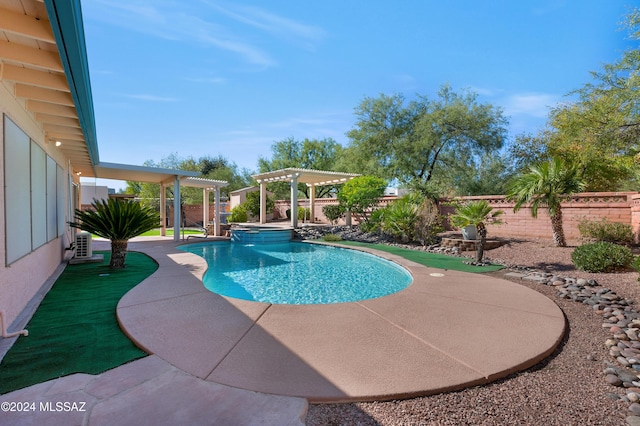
(216, 211)
(177, 213)
(163, 210)
(294, 200)
(205, 207)
(312, 202)
(263, 202)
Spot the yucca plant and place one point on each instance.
(118, 221)
(477, 213)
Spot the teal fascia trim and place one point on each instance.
(65, 17)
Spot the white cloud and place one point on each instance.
(270, 22)
(191, 22)
(151, 98)
(176, 21)
(532, 104)
(207, 80)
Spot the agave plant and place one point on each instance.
(477, 213)
(118, 221)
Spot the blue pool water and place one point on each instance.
(297, 273)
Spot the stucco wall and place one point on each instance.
(623, 207)
(21, 280)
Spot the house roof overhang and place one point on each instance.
(309, 176)
(43, 64)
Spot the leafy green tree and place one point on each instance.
(600, 131)
(545, 185)
(252, 203)
(314, 154)
(477, 213)
(487, 175)
(359, 195)
(217, 168)
(118, 221)
(416, 142)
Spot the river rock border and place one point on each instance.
(619, 315)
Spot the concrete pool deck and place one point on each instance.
(447, 331)
(442, 333)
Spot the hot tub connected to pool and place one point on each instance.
(260, 235)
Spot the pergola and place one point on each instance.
(312, 178)
(165, 178)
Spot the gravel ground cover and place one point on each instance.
(568, 388)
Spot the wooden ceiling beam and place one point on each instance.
(25, 25)
(34, 77)
(38, 58)
(53, 109)
(45, 95)
(56, 119)
(62, 130)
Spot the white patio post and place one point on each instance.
(163, 210)
(294, 200)
(177, 213)
(312, 202)
(263, 202)
(205, 207)
(216, 211)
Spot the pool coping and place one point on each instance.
(440, 334)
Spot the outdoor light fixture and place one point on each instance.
(58, 143)
(78, 173)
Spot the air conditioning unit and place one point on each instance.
(83, 245)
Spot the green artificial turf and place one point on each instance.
(156, 232)
(75, 329)
(433, 260)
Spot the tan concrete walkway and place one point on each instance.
(225, 361)
(443, 332)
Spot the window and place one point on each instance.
(34, 194)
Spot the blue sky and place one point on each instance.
(207, 78)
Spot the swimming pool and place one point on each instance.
(297, 273)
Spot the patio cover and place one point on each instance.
(311, 177)
(165, 177)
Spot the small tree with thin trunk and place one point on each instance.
(545, 185)
(361, 195)
(118, 221)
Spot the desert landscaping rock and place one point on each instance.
(491, 404)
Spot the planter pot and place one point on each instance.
(469, 233)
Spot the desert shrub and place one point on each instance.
(304, 213)
(238, 214)
(252, 203)
(374, 223)
(602, 257)
(333, 212)
(636, 265)
(399, 219)
(331, 237)
(603, 230)
(428, 223)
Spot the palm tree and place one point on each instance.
(118, 221)
(476, 213)
(546, 184)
